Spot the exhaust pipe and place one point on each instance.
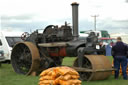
(75, 20)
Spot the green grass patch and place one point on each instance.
(9, 77)
(68, 61)
(110, 58)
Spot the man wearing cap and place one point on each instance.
(119, 53)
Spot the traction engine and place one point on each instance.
(40, 51)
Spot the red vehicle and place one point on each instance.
(107, 41)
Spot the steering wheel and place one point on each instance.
(24, 35)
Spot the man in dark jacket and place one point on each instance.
(119, 52)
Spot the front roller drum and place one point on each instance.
(95, 63)
(25, 58)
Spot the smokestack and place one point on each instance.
(75, 20)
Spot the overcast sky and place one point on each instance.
(26, 15)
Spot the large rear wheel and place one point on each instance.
(25, 58)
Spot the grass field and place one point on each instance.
(9, 77)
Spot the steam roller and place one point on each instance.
(40, 51)
(95, 67)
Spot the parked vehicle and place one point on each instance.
(7, 41)
(107, 41)
(100, 33)
(1, 54)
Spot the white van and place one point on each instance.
(100, 33)
(7, 41)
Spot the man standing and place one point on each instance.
(119, 52)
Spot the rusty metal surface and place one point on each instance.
(35, 58)
(54, 44)
(80, 69)
(100, 62)
(97, 67)
(25, 58)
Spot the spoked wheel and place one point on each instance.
(58, 61)
(25, 58)
(99, 64)
(47, 62)
(86, 64)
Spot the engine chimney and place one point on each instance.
(75, 20)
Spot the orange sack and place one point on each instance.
(59, 76)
